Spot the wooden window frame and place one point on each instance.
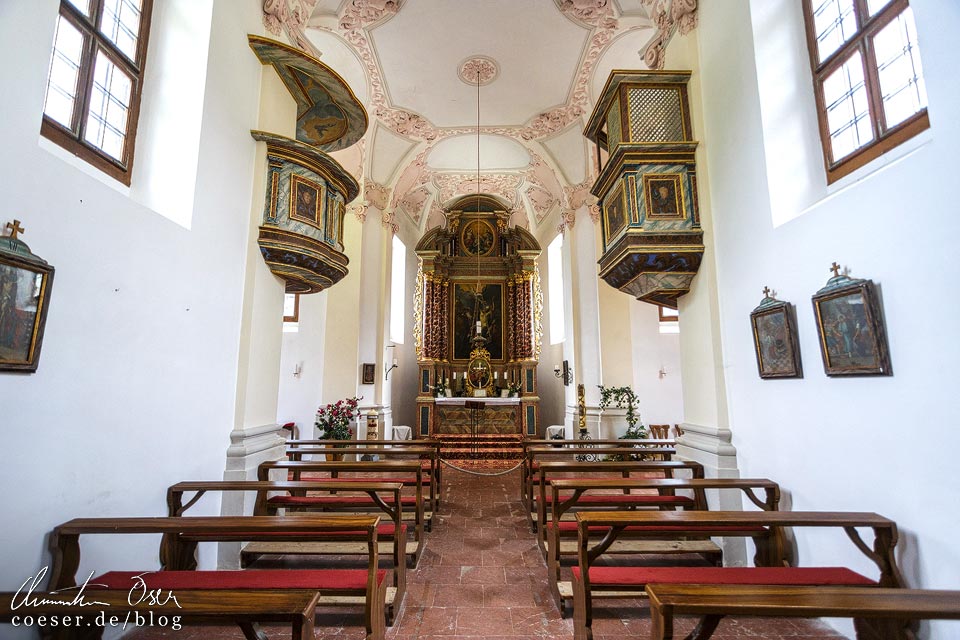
(72, 139)
(666, 318)
(884, 139)
(296, 309)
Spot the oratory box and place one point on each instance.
(478, 320)
(647, 187)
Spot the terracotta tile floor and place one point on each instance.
(482, 576)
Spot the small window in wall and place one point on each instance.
(555, 290)
(93, 84)
(398, 278)
(867, 78)
(669, 319)
(291, 307)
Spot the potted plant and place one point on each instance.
(333, 420)
(624, 397)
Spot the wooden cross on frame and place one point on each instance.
(15, 229)
(836, 270)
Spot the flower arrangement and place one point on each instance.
(514, 388)
(334, 419)
(624, 397)
(441, 387)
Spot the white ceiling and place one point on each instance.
(402, 57)
(421, 48)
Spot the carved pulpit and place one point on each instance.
(478, 320)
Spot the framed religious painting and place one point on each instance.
(663, 196)
(306, 200)
(775, 339)
(614, 215)
(850, 327)
(25, 285)
(368, 373)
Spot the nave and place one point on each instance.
(481, 575)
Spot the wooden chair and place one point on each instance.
(659, 431)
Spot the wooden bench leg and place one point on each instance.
(661, 622)
(582, 614)
(303, 629)
(252, 631)
(882, 629)
(705, 628)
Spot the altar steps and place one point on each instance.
(493, 446)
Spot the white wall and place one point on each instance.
(661, 397)
(300, 395)
(137, 378)
(884, 444)
(628, 326)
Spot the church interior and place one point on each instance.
(494, 248)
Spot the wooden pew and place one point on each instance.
(178, 557)
(392, 535)
(421, 442)
(551, 469)
(79, 620)
(541, 443)
(560, 536)
(408, 472)
(879, 613)
(531, 456)
(430, 454)
(765, 527)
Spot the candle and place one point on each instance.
(394, 362)
(478, 326)
(496, 375)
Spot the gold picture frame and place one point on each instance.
(306, 200)
(614, 214)
(663, 196)
(25, 287)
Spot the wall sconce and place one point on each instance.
(564, 374)
(386, 375)
(297, 369)
(662, 373)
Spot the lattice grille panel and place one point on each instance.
(655, 115)
(614, 135)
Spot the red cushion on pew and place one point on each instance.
(383, 531)
(315, 500)
(425, 480)
(636, 576)
(354, 579)
(639, 498)
(572, 526)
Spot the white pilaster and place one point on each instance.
(584, 317)
(373, 322)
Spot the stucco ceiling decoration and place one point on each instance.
(482, 69)
(669, 16)
(602, 23)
